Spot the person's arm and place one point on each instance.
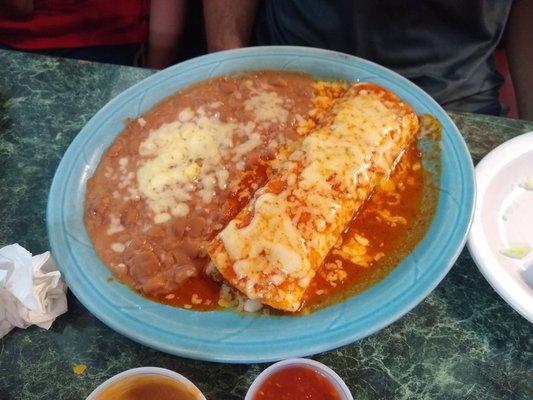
(519, 49)
(228, 23)
(166, 27)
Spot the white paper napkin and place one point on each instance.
(31, 289)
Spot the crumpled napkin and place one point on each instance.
(31, 289)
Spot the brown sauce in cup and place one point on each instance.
(149, 387)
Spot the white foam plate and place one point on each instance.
(503, 218)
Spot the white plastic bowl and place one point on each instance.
(503, 218)
(144, 371)
(331, 375)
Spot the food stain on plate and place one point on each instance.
(516, 252)
(516, 218)
(527, 184)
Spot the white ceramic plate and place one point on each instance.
(503, 219)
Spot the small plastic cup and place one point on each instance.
(327, 372)
(145, 371)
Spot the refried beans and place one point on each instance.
(151, 231)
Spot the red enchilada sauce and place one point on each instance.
(393, 220)
(297, 383)
(160, 252)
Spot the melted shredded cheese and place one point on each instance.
(355, 251)
(391, 219)
(114, 225)
(185, 156)
(267, 107)
(279, 255)
(118, 247)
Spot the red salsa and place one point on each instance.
(297, 383)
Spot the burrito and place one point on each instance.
(275, 245)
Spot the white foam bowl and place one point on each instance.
(331, 375)
(144, 371)
(503, 217)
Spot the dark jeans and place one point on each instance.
(492, 109)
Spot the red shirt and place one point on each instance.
(77, 23)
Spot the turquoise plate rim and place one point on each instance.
(224, 336)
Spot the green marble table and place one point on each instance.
(462, 342)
